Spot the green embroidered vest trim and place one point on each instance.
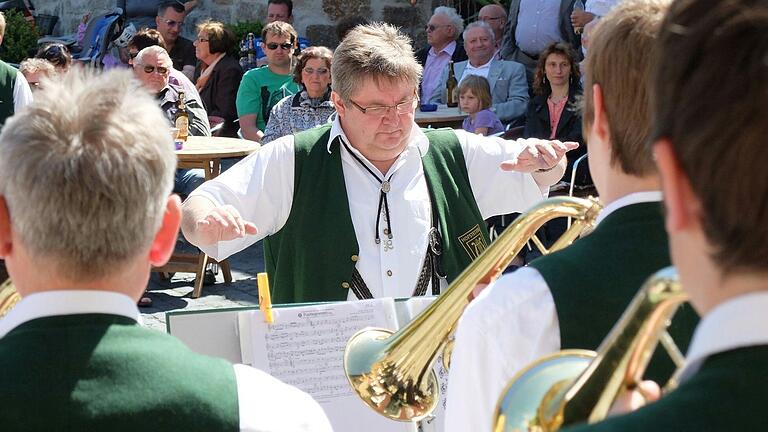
(7, 83)
(311, 259)
(105, 372)
(593, 280)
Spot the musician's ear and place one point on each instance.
(683, 208)
(165, 238)
(5, 229)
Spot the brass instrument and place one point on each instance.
(8, 297)
(575, 386)
(392, 373)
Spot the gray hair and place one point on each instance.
(34, 65)
(157, 51)
(480, 24)
(378, 51)
(456, 20)
(87, 169)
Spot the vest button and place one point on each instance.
(345, 285)
(354, 258)
(389, 272)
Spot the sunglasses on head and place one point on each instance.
(161, 70)
(273, 46)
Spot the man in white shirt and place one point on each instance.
(713, 176)
(572, 298)
(509, 89)
(443, 29)
(360, 208)
(85, 213)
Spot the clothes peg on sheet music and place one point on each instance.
(265, 300)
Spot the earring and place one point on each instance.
(544, 80)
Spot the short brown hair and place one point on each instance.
(619, 60)
(146, 38)
(479, 87)
(279, 28)
(309, 53)
(220, 38)
(708, 99)
(544, 88)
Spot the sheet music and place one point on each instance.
(305, 348)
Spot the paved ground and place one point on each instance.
(176, 293)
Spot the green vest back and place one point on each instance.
(313, 256)
(728, 393)
(593, 280)
(104, 372)
(7, 82)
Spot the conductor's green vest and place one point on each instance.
(312, 257)
(7, 83)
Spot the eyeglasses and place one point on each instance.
(273, 46)
(172, 23)
(319, 71)
(406, 107)
(202, 40)
(149, 69)
(490, 18)
(432, 27)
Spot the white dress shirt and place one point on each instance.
(261, 188)
(737, 323)
(479, 71)
(265, 403)
(509, 325)
(22, 94)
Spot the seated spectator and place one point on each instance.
(495, 16)
(220, 75)
(35, 69)
(443, 29)
(73, 353)
(277, 10)
(260, 89)
(509, 89)
(151, 37)
(310, 107)
(475, 100)
(346, 24)
(553, 112)
(170, 22)
(57, 54)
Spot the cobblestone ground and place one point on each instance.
(176, 293)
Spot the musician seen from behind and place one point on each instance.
(73, 354)
(572, 298)
(712, 162)
(356, 209)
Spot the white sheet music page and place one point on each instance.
(304, 347)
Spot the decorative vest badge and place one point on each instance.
(473, 242)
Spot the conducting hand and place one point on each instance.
(221, 224)
(539, 155)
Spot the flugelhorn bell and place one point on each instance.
(575, 386)
(392, 372)
(8, 297)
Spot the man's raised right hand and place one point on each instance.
(222, 224)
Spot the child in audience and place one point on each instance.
(475, 99)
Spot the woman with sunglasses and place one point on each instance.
(312, 105)
(219, 74)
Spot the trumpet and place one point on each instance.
(575, 386)
(392, 372)
(8, 297)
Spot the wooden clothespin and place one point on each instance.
(265, 299)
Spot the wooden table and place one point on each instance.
(205, 153)
(443, 117)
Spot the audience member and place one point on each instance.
(344, 25)
(13, 85)
(475, 100)
(220, 74)
(277, 10)
(553, 112)
(594, 9)
(73, 354)
(495, 16)
(170, 21)
(261, 88)
(34, 70)
(142, 13)
(310, 107)
(151, 37)
(57, 54)
(443, 30)
(533, 26)
(506, 78)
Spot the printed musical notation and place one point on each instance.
(305, 345)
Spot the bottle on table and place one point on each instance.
(181, 122)
(451, 87)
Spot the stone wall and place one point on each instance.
(313, 19)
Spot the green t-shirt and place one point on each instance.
(261, 89)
